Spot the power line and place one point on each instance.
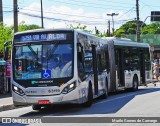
(73, 21)
(104, 8)
(58, 19)
(106, 1)
(127, 12)
(7, 11)
(72, 15)
(92, 3)
(150, 6)
(146, 5)
(64, 14)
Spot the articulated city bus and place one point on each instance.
(71, 66)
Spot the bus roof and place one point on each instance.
(43, 30)
(126, 42)
(117, 41)
(59, 29)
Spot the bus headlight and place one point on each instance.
(17, 90)
(69, 88)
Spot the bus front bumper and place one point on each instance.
(71, 97)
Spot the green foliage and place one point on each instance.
(24, 27)
(129, 27)
(120, 32)
(100, 34)
(153, 28)
(6, 32)
(84, 28)
(79, 26)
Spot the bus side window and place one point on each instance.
(107, 61)
(99, 62)
(80, 57)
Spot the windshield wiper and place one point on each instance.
(52, 51)
(34, 53)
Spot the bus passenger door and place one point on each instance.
(142, 67)
(120, 67)
(95, 72)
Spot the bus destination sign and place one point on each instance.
(41, 37)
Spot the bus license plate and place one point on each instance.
(44, 102)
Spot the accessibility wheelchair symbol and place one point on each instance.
(46, 73)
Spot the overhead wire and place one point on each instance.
(73, 21)
(104, 8)
(92, 3)
(63, 14)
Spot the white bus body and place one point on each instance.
(67, 66)
(39, 82)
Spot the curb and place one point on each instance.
(7, 107)
(10, 107)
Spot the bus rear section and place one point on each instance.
(130, 64)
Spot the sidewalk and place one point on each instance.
(6, 102)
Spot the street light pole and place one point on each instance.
(15, 16)
(1, 12)
(147, 18)
(42, 14)
(138, 28)
(112, 14)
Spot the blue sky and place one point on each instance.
(86, 12)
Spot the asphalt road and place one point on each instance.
(143, 103)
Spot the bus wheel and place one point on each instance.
(90, 97)
(135, 84)
(36, 107)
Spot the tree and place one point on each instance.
(129, 27)
(24, 27)
(6, 32)
(153, 28)
(79, 26)
(96, 32)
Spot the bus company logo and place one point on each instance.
(30, 92)
(33, 82)
(42, 82)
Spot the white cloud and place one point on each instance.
(62, 17)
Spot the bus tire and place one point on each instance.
(90, 97)
(135, 84)
(36, 107)
(105, 95)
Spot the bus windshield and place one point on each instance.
(43, 61)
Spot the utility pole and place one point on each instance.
(1, 12)
(42, 14)
(109, 32)
(15, 15)
(112, 14)
(138, 25)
